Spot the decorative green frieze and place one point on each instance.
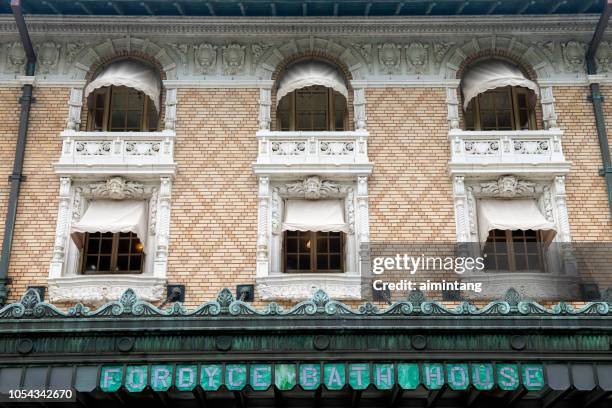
(31, 307)
(333, 376)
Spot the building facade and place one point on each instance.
(255, 152)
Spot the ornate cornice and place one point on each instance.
(387, 26)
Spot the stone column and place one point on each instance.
(263, 209)
(61, 229)
(162, 236)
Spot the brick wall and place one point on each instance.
(214, 217)
(214, 198)
(37, 211)
(588, 209)
(9, 124)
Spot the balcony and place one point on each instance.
(117, 153)
(501, 152)
(307, 152)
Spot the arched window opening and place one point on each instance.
(498, 96)
(312, 96)
(124, 97)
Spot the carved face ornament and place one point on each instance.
(48, 54)
(507, 185)
(116, 188)
(206, 55)
(417, 55)
(17, 55)
(312, 188)
(234, 57)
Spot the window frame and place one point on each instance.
(114, 253)
(513, 92)
(313, 255)
(509, 242)
(332, 96)
(107, 91)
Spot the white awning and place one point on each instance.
(130, 73)
(314, 215)
(302, 75)
(492, 74)
(522, 214)
(113, 216)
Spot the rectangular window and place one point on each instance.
(309, 251)
(506, 108)
(514, 251)
(108, 252)
(314, 108)
(121, 109)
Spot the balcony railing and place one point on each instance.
(513, 149)
(110, 150)
(329, 148)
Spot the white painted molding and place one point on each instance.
(296, 287)
(541, 286)
(96, 290)
(207, 82)
(410, 82)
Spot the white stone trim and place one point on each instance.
(272, 283)
(65, 282)
(219, 83)
(541, 286)
(407, 82)
(550, 195)
(96, 290)
(296, 287)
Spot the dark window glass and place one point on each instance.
(308, 251)
(121, 109)
(314, 108)
(514, 251)
(501, 109)
(112, 253)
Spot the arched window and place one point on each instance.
(312, 96)
(124, 96)
(498, 96)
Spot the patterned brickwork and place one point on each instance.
(214, 197)
(37, 211)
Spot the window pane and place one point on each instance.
(119, 98)
(134, 119)
(305, 262)
(502, 100)
(305, 243)
(335, 262)
(91, 264)
(105, 264)
(291, 262)
(339, 111)
(292, 244)
(504, 120)
(135, 263)
(334, 244)
(124, 246)
(106, 247)
(117, 120)
(470, 123)
(322, 244)
(488, 120)
(122, 263)
(322, 262)
(153, 117)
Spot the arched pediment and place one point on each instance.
(91, 57)
(531, 57)
(276, 57)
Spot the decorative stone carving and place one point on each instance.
(96, 291)
(365, 51)
(440, 49)
(77, 204)
(233, 58)
(170, 118)
(162, 227)
(452, 104)
(573, 55)
(16, 58)
(116, 188)
(265, 101)
(389, 58)
(417, 58)
(258, 50)
(604, 57)
(72, 50)
(61, 229)
(548, 107)
(48, 56)
(206, 58)
(507, 187)
(181, 50)
(359, 106)
(461, 209)
(313, 188)
(262, 224)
